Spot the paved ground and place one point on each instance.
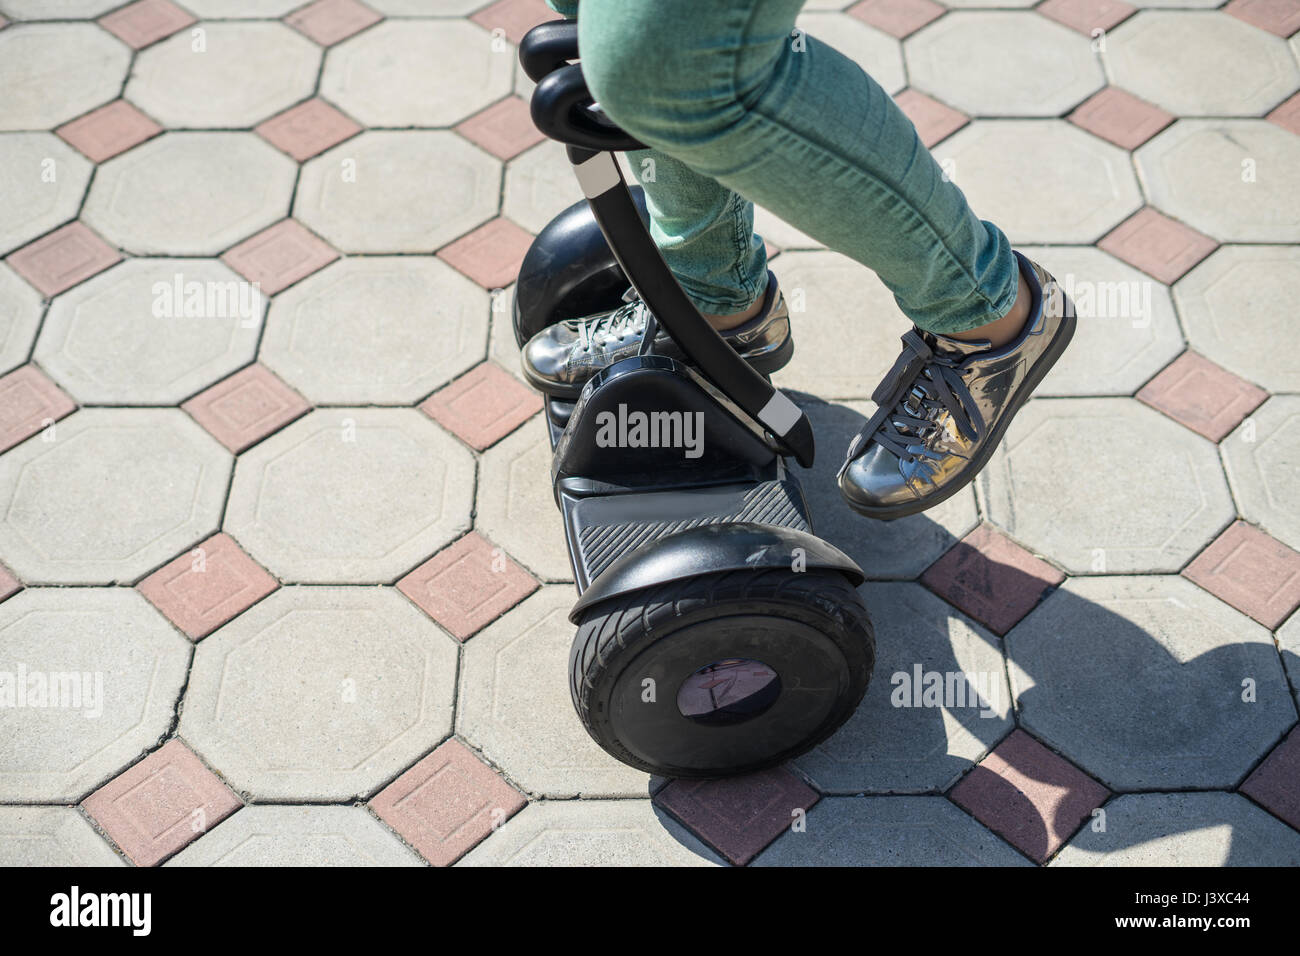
(284, 580)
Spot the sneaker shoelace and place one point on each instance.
(606, 328)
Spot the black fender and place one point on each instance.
(708, 549)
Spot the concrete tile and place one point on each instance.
(161, 804)
(1261, 459)
(491, 254)
(1287, 115)
(1234, 307)
(376, 330)
(1120, 117)
(1029, 796)
(870, 48)
(514, 18)
(307, 129)
(1288, 642)
(1184, 829)
(276, 258)
(900, 741)
(9, 585)
(20, 317)
(1197, 393)
(311, 836)
(1156, 244)
(781, 233)
(1075, 451)
(51, 72)
(1087, 189)
(192, 194)
(396, 73)
(329, 21)
(890, 831)
(1251, 571)
(320, 693)
(150, 331)
(241, 9)
(1086, 15)
(51, 836)
(145, 22)
(501, 336)
(540, 184)
(1180, 691)
(57, 9)
(419, 8)
(1273, 783)
(898, 18)
(467, 585)
(1215, 176)
(207, 586)
(1029, 66)
(505, 129)
(378, 192)
(351, 495)
(933, 120)
(42, 181)
(243, 409)
(541, 745)
(103, 133)
(447, 803)
(29, 402)
(63, 258)
(160, 484)
(482, 406)
(1280, 18)
(592, 833)
(111, 657)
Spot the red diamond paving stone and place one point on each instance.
(1087, 15)
(1275, 784)
(1276, 16)
(207, 586)
(467, 585)
(243, 409)
(738, 816)
(165, 801)
(145, 22)
(1252, 571)
(504, 129)
(29, 401)
(447, 803)
(58, 261)
(482, 406)
(278, 257)
(491, 254)
(515, 17)
(896, 17)
(9, 585)
(1028, 795)
(991, 578)
(109, 130)
(1195, 392)
(307, 129)
(329, 21)
(1120, 117)
(1287, 115)
(1158, 245)
(933, 120)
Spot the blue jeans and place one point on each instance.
(740, 108)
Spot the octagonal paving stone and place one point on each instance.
(591, 833)
(115, 660)
(1179, 690)
(20, 317)
(540, 184)
(389, 191)
(1236, 307)
(514, 705)
(1263, 461)
(1127, 330)
(56, 9)
(298, 836)
(1288, 642)
(51, 72)
(1086, 189)
(376, 330)
(150, 331)
(1231, 179)
(890, 831)
(351, 495)
(875, 51)
(190, 193)
(241, 9)
(107, 495)
(42, 182)
(899, 740)
(51, 836)
(396, 74)
(1160, 56)
(244, 73)
(1028, 65)
(320, 693)
(1068, 482)
(1184, 829)
(515, 507)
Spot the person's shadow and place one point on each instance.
(1134, 711)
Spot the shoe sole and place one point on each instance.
(1036, 375)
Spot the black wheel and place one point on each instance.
(724, 673)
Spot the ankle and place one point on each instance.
(732, 319)
(1001, 331)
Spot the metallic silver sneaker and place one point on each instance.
(945, 405)
(559, 359)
